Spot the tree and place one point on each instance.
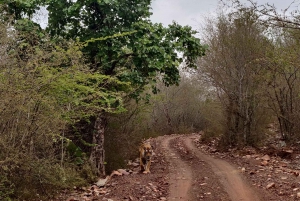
(232, 64)
(269, 15)
(45, 87)
(281, 63)
(283, 79)
(120, 41)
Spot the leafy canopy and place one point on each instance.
(139, 50)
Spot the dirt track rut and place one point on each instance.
(183, 174)
(180, 174)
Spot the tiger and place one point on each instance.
(146, 151)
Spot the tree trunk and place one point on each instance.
(97, 156)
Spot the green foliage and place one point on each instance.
(283, 82)
(20, 8)
(32, 178)
(143, 50)
(51, 84)
(134, 51)
(6, 186)
(75, 152)
(44, 87)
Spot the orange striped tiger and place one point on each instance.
(146, 151)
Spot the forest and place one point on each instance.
(78, 96)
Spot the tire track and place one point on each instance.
(180, 177)
(229, 176)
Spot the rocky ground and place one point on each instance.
(272, 169)
(271, 174)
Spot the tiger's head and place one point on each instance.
(148, 151)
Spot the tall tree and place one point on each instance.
(283, 80)
(269, 15)
(236, 44)
(281, 62)
(120, 41)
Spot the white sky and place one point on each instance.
(185, 12)
(191, 12)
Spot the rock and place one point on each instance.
(287, 154)
(243, 169)
(213, 150)
(264, 163)
(124, 172)
(282, 143)
(298, 195)
(266, 158)
(72, 198)
(252, 172)
(162, 198)
(102, 182)
(135, 164)
(296, 173)
(283, 164)
(270, 185)
(116, 173)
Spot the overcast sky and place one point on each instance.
(191, 12)
(185, 12)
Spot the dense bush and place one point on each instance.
(44, 88)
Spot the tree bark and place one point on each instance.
(97, 156)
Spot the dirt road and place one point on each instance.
(182, 172)
(180, 176)
(186, 173)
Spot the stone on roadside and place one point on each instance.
(266, 158)
(116, 173)
(102, 182)
(296, 173)
(270, 185)
(135, 164)
(72, 198)
(124, 172)
(264, 163)
(252, 172)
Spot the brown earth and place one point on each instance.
(184, 169)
